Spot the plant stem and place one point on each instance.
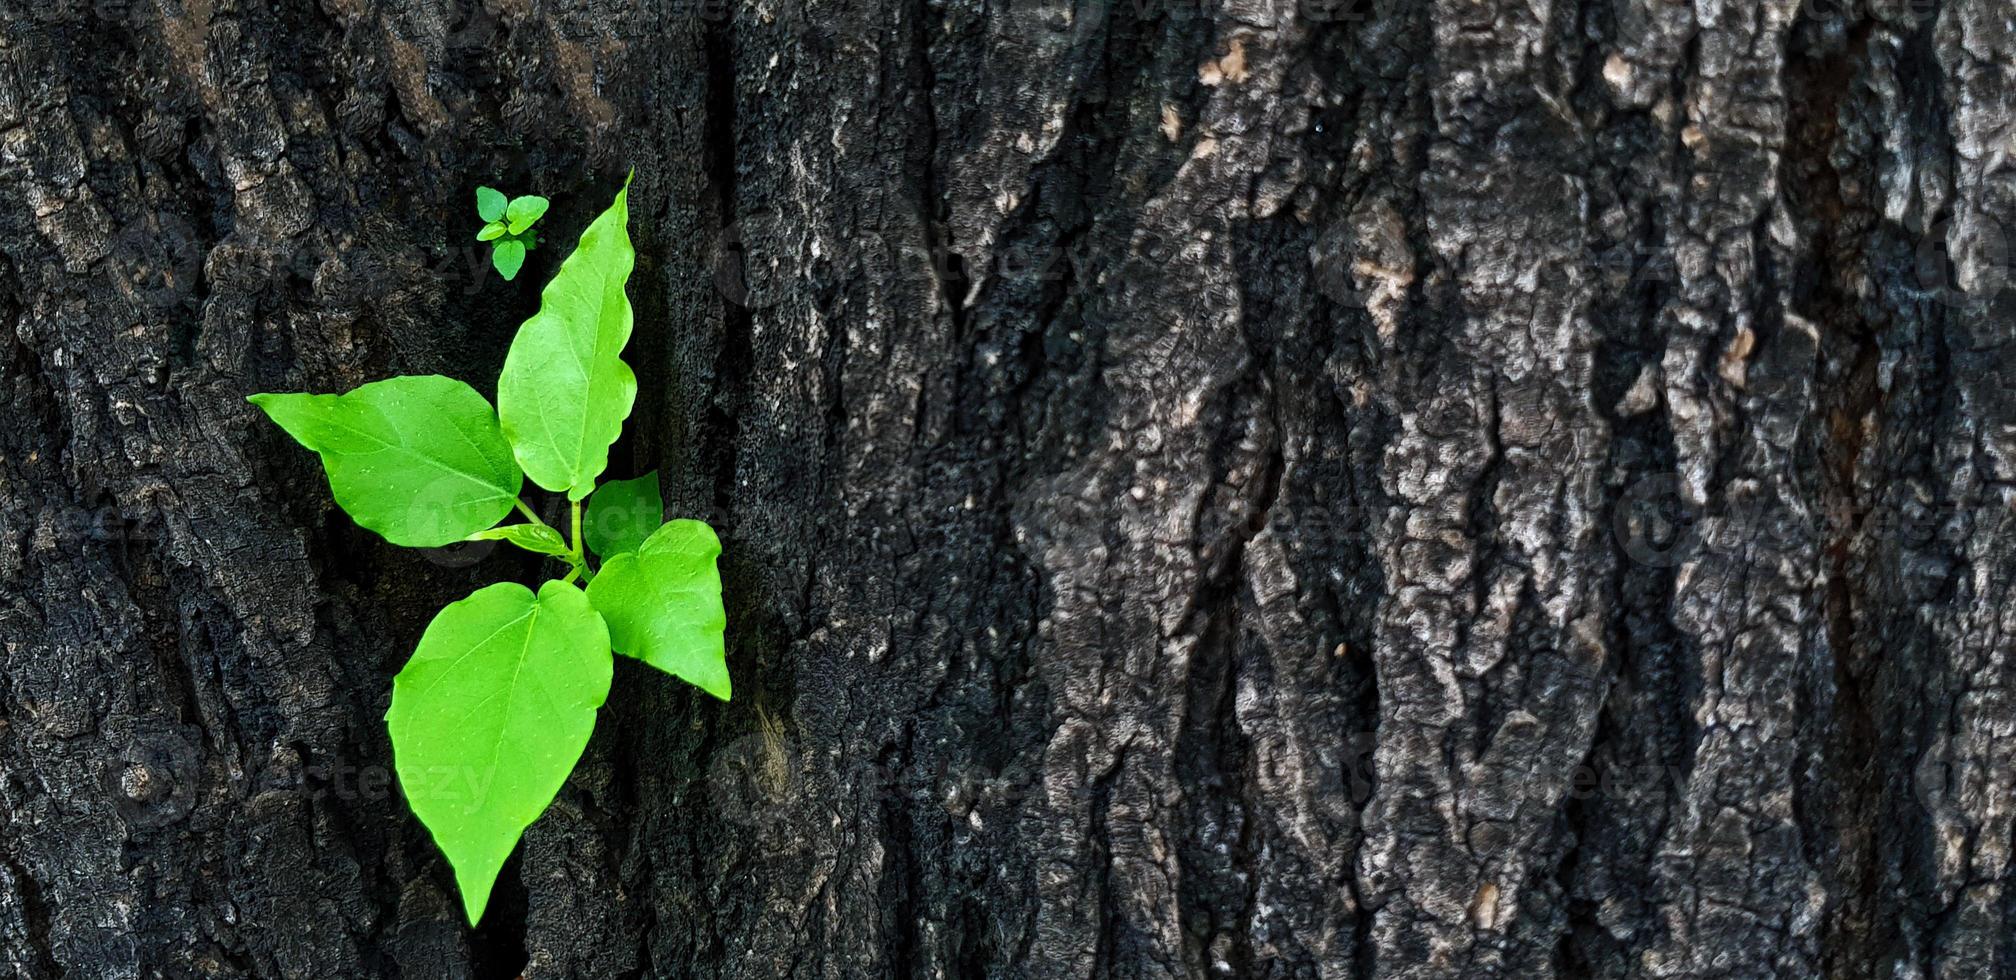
(578, 556)
(527, 511)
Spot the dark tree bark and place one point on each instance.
(1470, 488)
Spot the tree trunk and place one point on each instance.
(1259, 488)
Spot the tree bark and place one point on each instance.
(1259, 488)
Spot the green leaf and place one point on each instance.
(663, 605)
(622, 513)
(490, 203)
(508, 257)
(420, 460)
(494, 229)
(489, 717)
(565, 390)
(539, 538)
(523, 211)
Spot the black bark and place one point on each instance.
(1258, 488)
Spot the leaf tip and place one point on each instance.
(474, 902)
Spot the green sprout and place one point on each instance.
(494, 708)
(509, 228)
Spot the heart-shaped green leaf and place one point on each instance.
(538, 538)
(420, 460)
(523, 211)
(565, 390)
(508, 257)
(663, 605)
(622, 513)
(489, 717)
(490, 203)
(494, 229)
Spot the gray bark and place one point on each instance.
(1383, 488)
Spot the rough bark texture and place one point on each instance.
(1372, 488)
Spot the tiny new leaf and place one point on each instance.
(531, 537)
(508, 256)
(622, 514)
(663, 605)
(490, 203)
(420, 460)
(494, 229)
(565, 390)
(523, 211)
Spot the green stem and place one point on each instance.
(527, 511)
(580, 555)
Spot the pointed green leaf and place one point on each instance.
(523, 211)
(494, 229)
(420, 460)
(490, 203)
(508, 257)
(663, 605)
(489, 717)
(622, 513)
(565, 390)
(538, 538)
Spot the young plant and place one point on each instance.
(509, 227)
(495, 706)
